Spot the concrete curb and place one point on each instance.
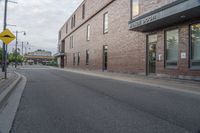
(7, 91)
(8, 112)
(170, 87)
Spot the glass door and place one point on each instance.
(151, 48)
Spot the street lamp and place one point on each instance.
(26, 47)
(27, 43)
(17, 32)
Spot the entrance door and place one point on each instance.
(105, 57)
(62, 62)
(151, 48)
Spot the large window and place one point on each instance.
(195, 45)
(78, 59)
(66, 27)
(59, 35)
(73, 21)
(83, 11)
(88, 32)
(171, 45)
(134, 8)
(105, 23)
(63, 47)
(87, 57)
(74, 59)
(71, 42)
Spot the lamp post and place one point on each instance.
(22, 48)
(24, 45)
(17, 32)
(4, 53)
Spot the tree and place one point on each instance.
(12, 57)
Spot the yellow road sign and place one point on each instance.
(7, 36)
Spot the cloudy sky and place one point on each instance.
(41, 19)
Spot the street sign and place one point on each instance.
(7, 36)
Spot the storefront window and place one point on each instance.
(172, 42)
(135, 8)
(195, 45)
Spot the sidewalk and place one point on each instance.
(6, 86)
(167, 83)
(5, 83)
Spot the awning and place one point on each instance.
(59, 54)
(173, 13)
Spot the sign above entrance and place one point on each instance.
(145, 20)
(7, 36)
(175, 12)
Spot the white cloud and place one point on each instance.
(41, 19)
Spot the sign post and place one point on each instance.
(7, 37)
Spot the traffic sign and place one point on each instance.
(7, 36)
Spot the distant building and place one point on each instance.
(39, 57)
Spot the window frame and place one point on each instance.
(63, 46)
(60, 34)
(66, 27)
(74, 23)
(72, 20)
(87, 57)
(83, 11)
(66, 58)
(190, 48)
(78, 58)
(71, 42)
(74, 59)
(165, 48)
(105, 31)
(88, 32)
(131, 9)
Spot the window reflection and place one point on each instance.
(135, 8)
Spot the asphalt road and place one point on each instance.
(62, 102)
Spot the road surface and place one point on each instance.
(63, 102)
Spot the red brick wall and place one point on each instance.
(126, 48)
(183, 64)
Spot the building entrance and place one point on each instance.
(151, 53)
(62, 62)
(105, 57)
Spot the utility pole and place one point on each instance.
(22, 48)
(16, 49)
(16, 43)
(4, 56)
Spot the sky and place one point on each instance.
(41, 19)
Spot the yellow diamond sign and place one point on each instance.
(7, 36)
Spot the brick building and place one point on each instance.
(159, 37)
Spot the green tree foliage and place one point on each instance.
(12, 57)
